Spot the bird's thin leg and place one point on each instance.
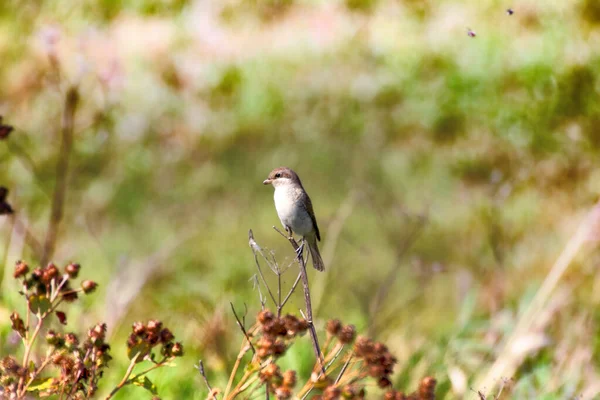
(300, 249)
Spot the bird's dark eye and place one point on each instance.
(278, 175)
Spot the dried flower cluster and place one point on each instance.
(276, 333)
(44, 285)
(71, 368)
(426, 391)
(279, 384)
(144, 338)
(81, 364)
(379, 362)
(349, 370)
(345, 334)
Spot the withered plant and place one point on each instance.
(72, 364)
(346, 366)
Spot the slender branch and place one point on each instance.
(200, 368)
(292, 289)
(279, 305)
(241, 325)
(307, 300)
(243, 351)
(256, 249)
(62, 173)
(125, 379)
(343, 370)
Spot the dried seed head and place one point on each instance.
(334, 326)
(71, 341)
(332, 393)
(166, 336)
(289, 378)
(283, 393)
(269, 372)
(17, 324)
(347, 334)
(97, 334)
(263, 352)
(49, 273)
(138, 328)
(384, 382)
(177, 349)
(154, 326)
(279, 348)
(353, 391)
(363, 346)
(73, 270)
(21, 269)
(54, 339)
(265, 316)
(427, 388)
(88, 286)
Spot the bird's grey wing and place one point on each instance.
(309, 209)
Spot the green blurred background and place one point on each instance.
(447, 172)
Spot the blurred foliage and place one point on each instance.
(395, 111)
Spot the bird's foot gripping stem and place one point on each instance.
(300, 249)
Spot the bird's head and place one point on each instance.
(282, 176)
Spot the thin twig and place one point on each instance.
(62, 173)
(126, 377)
(292, 289)
(241, 325)
(256, 249)
(343, 370)
(200, 368)
(279, 305)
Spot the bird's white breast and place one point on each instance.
(290, 211)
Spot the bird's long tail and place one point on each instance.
(315, 255)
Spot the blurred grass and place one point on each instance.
(187, 106)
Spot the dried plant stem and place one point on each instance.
(307, 300)
(125, 379)
(241, 325)
(200, 368)
(285, 300)
(28, 347)
(236, 366)
(62, 172)
(241, 384)
(329, 361)
(343, 370)
(255, 250)
(38, 371)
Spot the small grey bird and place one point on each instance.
(295, 210)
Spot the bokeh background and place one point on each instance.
(447, 170)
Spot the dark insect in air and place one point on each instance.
(471, 33)
(5, 130)
(510, 11)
